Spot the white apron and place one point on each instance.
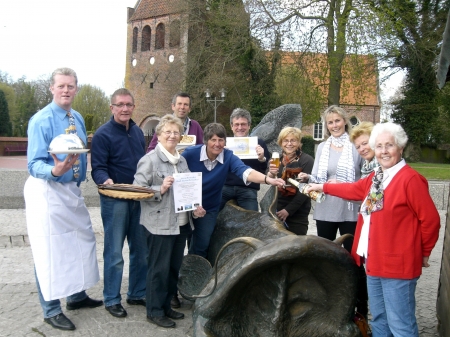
(61, 237)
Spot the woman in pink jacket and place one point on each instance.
(397, 228)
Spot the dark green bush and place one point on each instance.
(308, 145)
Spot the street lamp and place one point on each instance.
(215, 102)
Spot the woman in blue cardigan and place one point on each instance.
(215, 162)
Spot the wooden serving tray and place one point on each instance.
(125, 191)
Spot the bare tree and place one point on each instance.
(335, 27)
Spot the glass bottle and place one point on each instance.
(314, 195)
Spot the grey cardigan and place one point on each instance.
(158, 213)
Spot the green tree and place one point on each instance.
(294, 86)
(315, 26)
(5, 123)
(10, 96)
(91, 100)
(42, 93)
(418, 27)
(25, 105)
(223, 54)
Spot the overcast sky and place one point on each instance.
(89, 36)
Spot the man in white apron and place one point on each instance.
(58, 222)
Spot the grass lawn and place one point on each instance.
(432, 171)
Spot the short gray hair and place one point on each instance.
(240, 113)
(393, 129)
(121, 92)
(65, 72)
(169, 119)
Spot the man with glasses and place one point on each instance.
(235, 188)
(181, 106)
(117, 147)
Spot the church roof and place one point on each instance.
(145, 9)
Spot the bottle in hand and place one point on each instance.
(314, 195)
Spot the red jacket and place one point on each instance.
(404, 231)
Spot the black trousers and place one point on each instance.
(164, 261)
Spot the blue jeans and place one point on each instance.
(203, 229)
(53, 307)
(392, 304)
(121, 220)
(164, 262)
(245, 197)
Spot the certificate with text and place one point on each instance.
(243, 147)
(187, 191)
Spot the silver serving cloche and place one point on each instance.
(67, 143)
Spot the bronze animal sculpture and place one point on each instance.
(272, 123)
(270, 282)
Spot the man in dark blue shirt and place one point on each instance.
(117, 147)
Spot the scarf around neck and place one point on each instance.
(345, 171)
(375, 197)
(368, 167)
(173, 159)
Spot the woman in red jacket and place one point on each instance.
(397, 228)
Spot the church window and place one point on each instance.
(160, 35)
(174, 34)
(146, 38)
(135, 40)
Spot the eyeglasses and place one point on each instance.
(386, 147)
(120, 106)
(168, 133)
(292, 141)
(239, 124)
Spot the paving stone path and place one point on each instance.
(21, 315)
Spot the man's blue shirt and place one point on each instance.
(43, 126)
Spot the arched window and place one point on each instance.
(135, 37)
(318, 130)
(174, 34)
(146, 38)
(160, 35)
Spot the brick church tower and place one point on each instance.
(156, 58)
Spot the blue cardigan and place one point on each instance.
(213, 181)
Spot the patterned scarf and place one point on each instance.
(374, 200)
(368, 167)
(345, 169)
